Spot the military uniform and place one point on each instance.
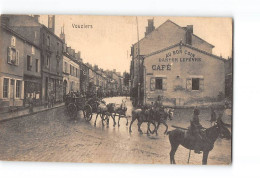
(195, 128)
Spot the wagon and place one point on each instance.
(74, 104)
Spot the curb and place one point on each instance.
(33, 113)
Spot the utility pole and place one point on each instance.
(138, 59)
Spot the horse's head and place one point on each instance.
(123, 105)
(169, 113)
(224, 132)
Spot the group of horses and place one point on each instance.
(145, 114)
(159, 115)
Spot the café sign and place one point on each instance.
(171, 57)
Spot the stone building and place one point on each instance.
(51, 51)
(167, 34)
(183, 75)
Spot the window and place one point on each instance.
(195, 83)
(33, 50)
(48, 41)
(76, 72)
(18, 88)
(29, 63)
(37, 65)
(58, 47)
(158, 83)
(5, 88)
(70, 70)
(13, 41)
(43, 39)
(12, 56)
(48, 62)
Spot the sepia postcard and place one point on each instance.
(116, 89)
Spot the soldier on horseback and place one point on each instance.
(195, 129)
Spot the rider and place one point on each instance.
(195, 128)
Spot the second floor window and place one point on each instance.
(37, 65)
(48, 41)
(48, 62)
(12, 56)
(29, 63)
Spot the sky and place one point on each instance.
(107, 44)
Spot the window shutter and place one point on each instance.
(189, 84)
(17, 57)
(9, 55)
(164, 84)
(152, 84)
(201, 84)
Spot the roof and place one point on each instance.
(186, 45)
(18, 35)
(176, 25)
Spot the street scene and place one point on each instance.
(116, 89)
(57, 138)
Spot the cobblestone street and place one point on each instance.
(53, 136)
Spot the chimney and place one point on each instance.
(150, 27)
(36, 18)
(189, 32)
(51, 23)
(62, 34)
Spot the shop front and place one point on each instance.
(32, 90)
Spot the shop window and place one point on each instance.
(12, 56)
(5, 88)
(29, 63)
(18, 88)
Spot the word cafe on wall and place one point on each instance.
(182, 74)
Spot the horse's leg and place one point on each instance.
(164, 123)
(114, 119)
(172, 153)
(96, 119)
(118, 120)
(102, 118)
(126, 120)
(139, 127)
(148, 128)
(157, 128)
(133, 119)
(205, 157)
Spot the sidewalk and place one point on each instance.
(25, 112)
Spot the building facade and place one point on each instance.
(183, 75)
(164, 36)
(11, 68)
(71, 74)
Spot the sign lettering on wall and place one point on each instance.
(169, 57)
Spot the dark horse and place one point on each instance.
(181, 137)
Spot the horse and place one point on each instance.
(141, 115)
(120, 111)
(160, 116)
(181, 137)
(105, 111)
